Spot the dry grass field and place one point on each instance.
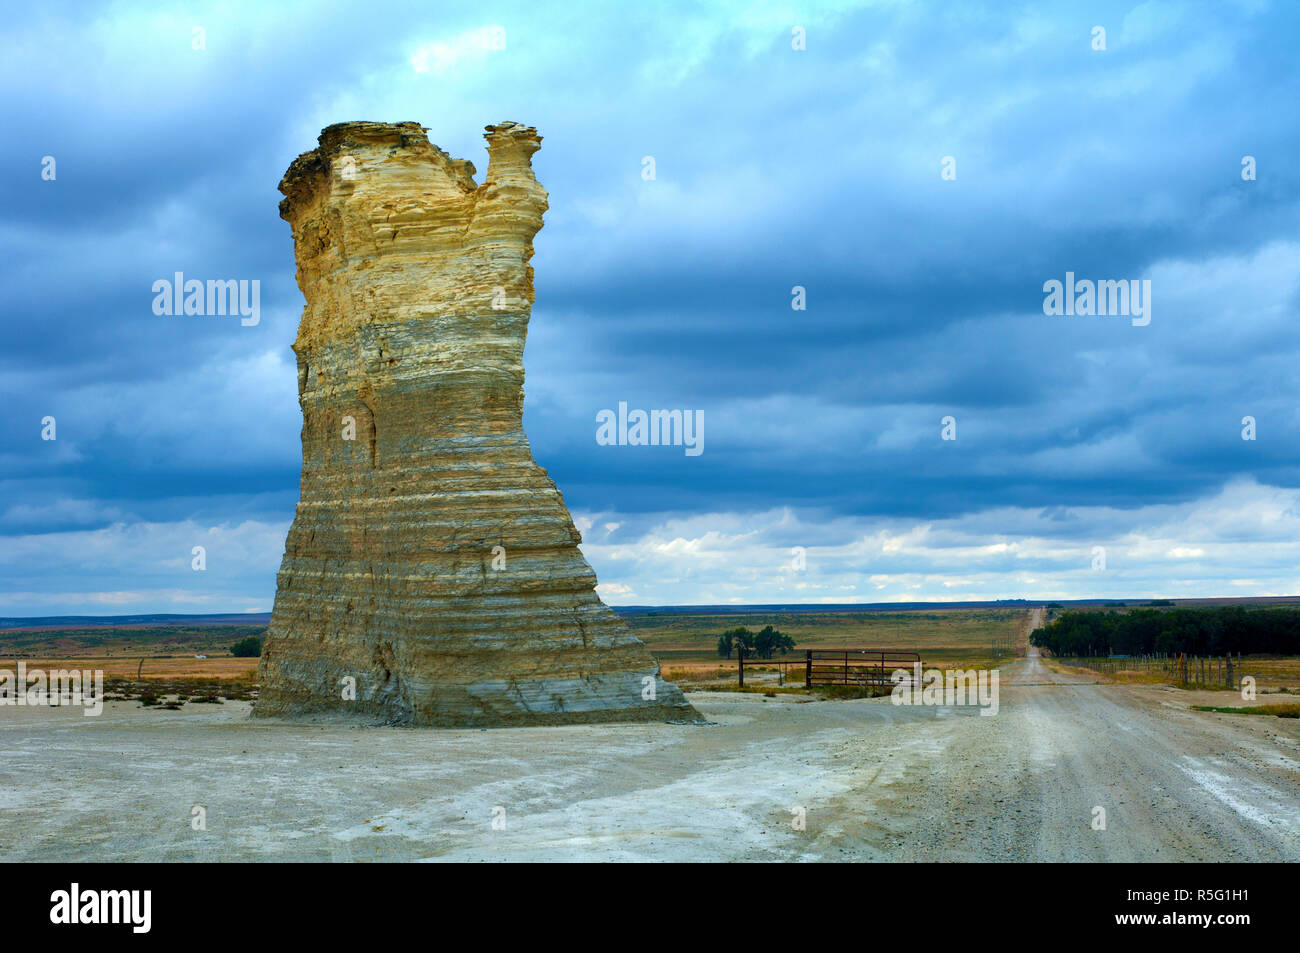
(153, 664)
(160, 668)
(686, 643)
(1272, 675)
(116, 642)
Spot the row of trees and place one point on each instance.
(762, 644)
(1213, 630)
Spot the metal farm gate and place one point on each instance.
(856, 666)
(840, 666)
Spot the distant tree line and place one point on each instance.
(1213, 630)
(761, 644)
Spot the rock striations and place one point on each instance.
(432, 574)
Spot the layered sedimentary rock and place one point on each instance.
(432, 574)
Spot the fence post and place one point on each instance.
(742, 665)
(807, 671)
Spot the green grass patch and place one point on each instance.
(1281, 711)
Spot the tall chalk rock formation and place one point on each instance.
(432, 574)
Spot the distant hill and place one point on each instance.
(264, 618)
(819, 607)
(1132, 602)
(132, 621)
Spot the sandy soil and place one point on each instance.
(875, 781)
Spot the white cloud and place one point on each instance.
(460, 51)
(1007, 552)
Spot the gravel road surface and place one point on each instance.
(869, 780)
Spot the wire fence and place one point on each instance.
(1219, 671)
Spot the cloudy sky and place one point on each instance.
(921, 170)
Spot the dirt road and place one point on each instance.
(870, 781)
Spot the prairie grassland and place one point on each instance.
(227, 668)
(168, 681)
(1272, 675)
(686, 644)
(142, 661)
(129, 641)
